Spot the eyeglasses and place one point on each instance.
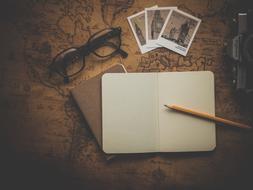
(104, 44)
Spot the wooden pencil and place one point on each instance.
(208, 116)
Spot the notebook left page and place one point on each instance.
(129, 113)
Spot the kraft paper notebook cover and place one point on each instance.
(136, 121)
(88, 97)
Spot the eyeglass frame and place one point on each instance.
(89, 47)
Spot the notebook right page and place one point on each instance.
(180, 132)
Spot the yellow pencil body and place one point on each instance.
(208, 116)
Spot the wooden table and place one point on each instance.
(45, 142)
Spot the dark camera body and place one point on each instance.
(240, 53)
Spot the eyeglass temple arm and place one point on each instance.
(96, 43)
(118, 50)
(123, 53)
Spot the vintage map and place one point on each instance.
(49, 126)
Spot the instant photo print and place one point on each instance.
(178, 31)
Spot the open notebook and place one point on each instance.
(134, 119)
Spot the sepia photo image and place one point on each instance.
(179, 31)
(138, 23)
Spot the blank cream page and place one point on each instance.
(180, 132)
(129, 112)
